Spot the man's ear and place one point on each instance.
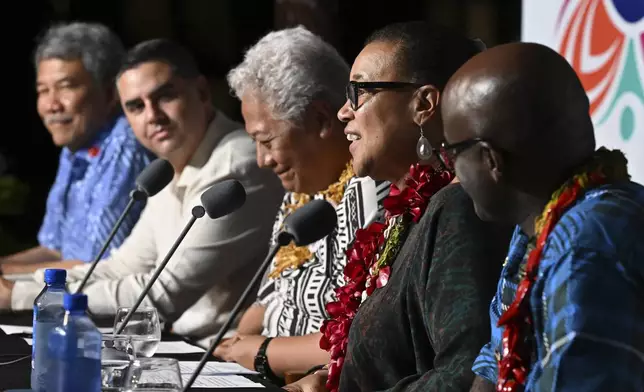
(494, 162)
(425, 103)
(203, 87)
(111, 96)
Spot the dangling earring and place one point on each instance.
(424, 149)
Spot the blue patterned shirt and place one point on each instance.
(91, 190)
(588, 300)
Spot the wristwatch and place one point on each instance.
(262, 366)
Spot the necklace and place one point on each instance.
(514, 365)
(370, 256)
(292, 256)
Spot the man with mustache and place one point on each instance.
(76, 64)
(167, 102)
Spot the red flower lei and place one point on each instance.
(514, 365)
(369, 258)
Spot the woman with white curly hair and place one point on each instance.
(291, 84)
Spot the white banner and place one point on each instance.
(604, 42)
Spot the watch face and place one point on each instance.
(261, 361)
(260, 364)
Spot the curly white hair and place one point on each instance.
(289, 69)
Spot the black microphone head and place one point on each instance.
(223, 198)
(311, 222)
(155, 177)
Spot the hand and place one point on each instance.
(315, 382)
(6, 287)
(243, 350)
(223, 349)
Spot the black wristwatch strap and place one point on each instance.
(262, 366)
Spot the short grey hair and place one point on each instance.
(289, 69)
(100, 49)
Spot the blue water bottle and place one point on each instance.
(48, 314)
(75, 348)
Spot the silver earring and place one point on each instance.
(424, 149)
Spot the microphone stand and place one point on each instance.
(283, 239)
(197, 212)
(135, 195)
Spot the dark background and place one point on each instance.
(217, 32)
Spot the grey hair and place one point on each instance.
(289, 69)
(100, 50)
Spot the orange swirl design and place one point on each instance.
(590, 33)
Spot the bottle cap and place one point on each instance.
(55, 276)
(75, 302)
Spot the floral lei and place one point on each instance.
(292, 256)
(370, 256)
(607, 166)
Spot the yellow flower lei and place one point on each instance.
(611, 164)
(291, 256)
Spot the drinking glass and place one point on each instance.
(116, 353)
(143, 327)
(154, 374)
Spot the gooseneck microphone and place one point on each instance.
(150, 181)
(219, 200)
(309, 223)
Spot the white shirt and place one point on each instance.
(215, 261)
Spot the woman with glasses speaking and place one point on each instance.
(413, 313)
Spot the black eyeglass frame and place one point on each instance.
(454, 149)
(351, 90)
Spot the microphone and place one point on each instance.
(155, 177)
(150, 181)
(309, 223)
(219, 200)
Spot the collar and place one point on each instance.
(93, 148)
(518, 248)
(219, 127)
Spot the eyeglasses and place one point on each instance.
(454, 149)
(353, 88)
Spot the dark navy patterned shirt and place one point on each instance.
(588, 300)
(91, 190)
